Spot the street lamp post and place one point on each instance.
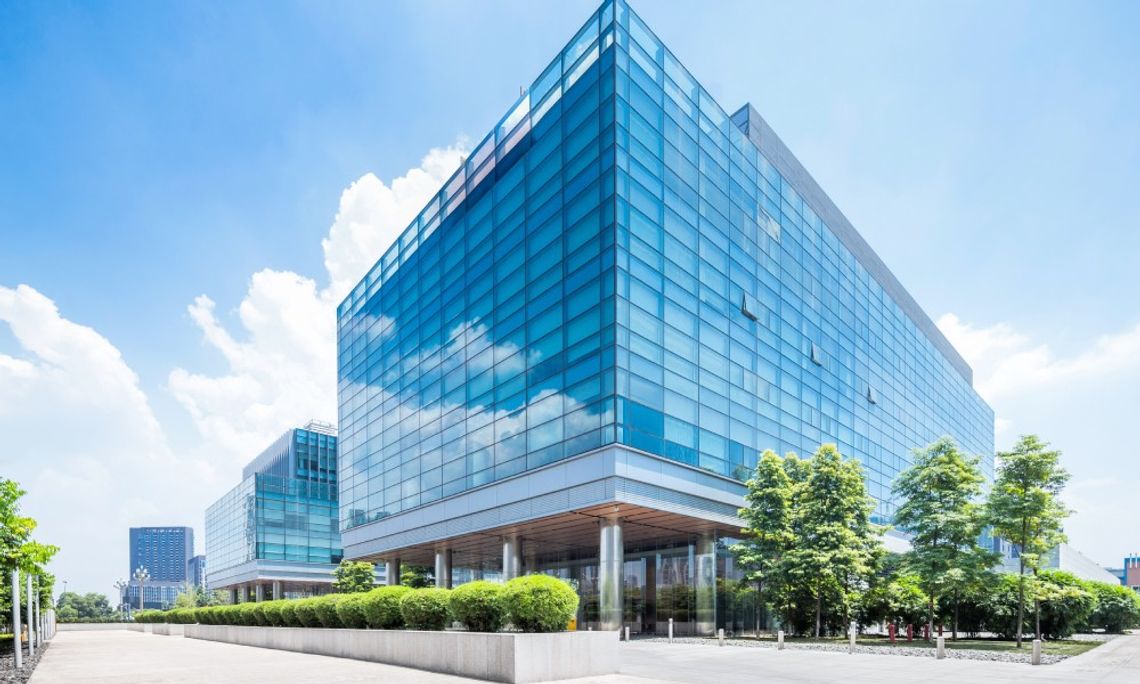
(141, 576)
(121, 585)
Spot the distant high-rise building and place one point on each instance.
(196, 573)
(165, 553)
(572, 357)
(276, 533)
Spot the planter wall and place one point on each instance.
(89, 626)
(499, 657)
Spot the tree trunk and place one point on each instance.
(954, 637)
(1020, 587)
(818, 613)
(930, 619)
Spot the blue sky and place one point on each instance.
(155, 153)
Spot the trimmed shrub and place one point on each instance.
(289, 614)
(382, 607)
(258, 613)
(231, 615)
(247, 614)
(1117, 607)
(307, 612)
(272, 610)
(426, 609)
(539, 603)
(479, 606)
(350, 609)
(326, 610)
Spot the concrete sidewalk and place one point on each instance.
(1117, 662)
(124, 657)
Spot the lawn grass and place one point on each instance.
(1065, 647)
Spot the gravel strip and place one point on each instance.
(913, 652)
(8, 672)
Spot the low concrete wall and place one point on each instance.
(169, 629)
(89, 626)
(499, 657)
(145, 627)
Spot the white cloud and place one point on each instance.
(82, 439)
(282, 370)
(1007, 362)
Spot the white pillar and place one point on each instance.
(31, 619)
(443, 568)
(512, 557)
(259, 592)
(1036, 658)
(611, 562)
(392, 571)
(277, 593)
(940, 648)
(780, 640)
(17, 650)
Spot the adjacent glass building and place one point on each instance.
(573, 356)
(164, 552)
(275, 534)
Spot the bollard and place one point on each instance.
(670, 630)
(892, 629)
(627, 632)
(720, 636)
(852, 631)
(780, 640)
(1036, 659)
(940, 648)
(910, 632)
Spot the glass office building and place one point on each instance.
(275, 534)
(571, 359)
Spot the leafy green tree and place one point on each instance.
(18, 551)
(415, 576)
(939, 508)
(352, 577)
(1024, 508)
(835, 546)
(767, 515)
(92, 606)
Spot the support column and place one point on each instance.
(392, 571)
(443, 568)
(512, 557)
(706, 585)
(234, 595)
(31, 619)
(611, 561)
(277, 593)
(259, 592)
(18, 650)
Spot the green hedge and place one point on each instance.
(539, 603)
(326, 610)
(479, 606)
(350, 609)
(382, 607)
(426, 609)
(307, 612)
(289, 614)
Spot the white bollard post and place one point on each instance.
(780, 640)
(627, 632)
(851, 631)
(18, 650)
(670, 630)
(1036, 659)
(720, 636)
(940, 648)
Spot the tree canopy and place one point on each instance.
(353, 577)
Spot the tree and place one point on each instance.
(18, 551)
(415, 576)
(72, 606)
(767, 534)
(834, 546)
(1024, 508)
(354, 577)
(939, 508)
